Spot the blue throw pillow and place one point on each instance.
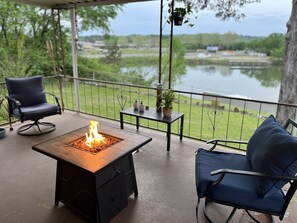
(272, 150)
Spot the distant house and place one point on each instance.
(81, 46)
(99, 44)
(229, 53)
(212, 49)
(203, 55)
(256, 54)
(87, 46)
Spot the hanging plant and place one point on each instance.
(180, 15)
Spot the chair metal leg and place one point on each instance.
(255, 220)
(37, 125)
(197, 209)
(207, 215)
(10, 123)
(25, 128)
(46, 124)
(205, 212)
(231, 215)
(50, 127)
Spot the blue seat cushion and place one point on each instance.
(234, 190)
(272, 150)
(37, 111)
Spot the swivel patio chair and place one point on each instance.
(27, 101)
(264, 180)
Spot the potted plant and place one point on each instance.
(168, 97)
(178, 15)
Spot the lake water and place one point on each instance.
(259, 83)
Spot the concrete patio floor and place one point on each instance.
(166, 181)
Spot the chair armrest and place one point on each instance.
(251, 173)
(14, 101)
(290, 121)
(216, 141)
(17, 104)
(52, 95)
(56, 98)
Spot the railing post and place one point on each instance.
(74, 58)
(159, 97)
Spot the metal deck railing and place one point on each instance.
(207, 116)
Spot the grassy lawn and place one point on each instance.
(204, 119)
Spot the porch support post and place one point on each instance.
(74, 58)
(159, 85)
(170, 47)
(160, 40)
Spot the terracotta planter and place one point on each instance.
(167, 112)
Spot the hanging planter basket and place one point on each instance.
(178, 16)
(178, 20)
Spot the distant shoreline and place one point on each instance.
(219, 59)
(227, 62)
(193, 59)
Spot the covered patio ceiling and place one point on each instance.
(70, 4)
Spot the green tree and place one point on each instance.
(29, 27)
(113, 51)
(274, 42)
(97, 17)
(228, 40)
(178, 62)
(94, 68)
(240, 45)
(278, 55)
(15, 64)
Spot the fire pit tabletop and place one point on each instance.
(60, 148)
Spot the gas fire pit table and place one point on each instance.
(94, 184)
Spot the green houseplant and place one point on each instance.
(168, 97)
(179, 15)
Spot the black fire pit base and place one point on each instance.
(97, 186)
(98, 197)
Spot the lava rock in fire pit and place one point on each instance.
(108, 142)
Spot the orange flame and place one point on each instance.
(93, 139)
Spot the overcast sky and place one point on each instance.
(261, 19)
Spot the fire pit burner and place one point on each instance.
(108, 142)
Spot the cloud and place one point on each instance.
(261, 19)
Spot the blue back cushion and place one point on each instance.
(27, 90)
(272, 150)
